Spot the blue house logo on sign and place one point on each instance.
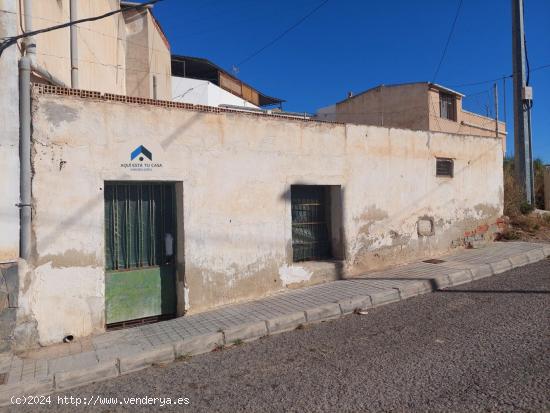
(142, 152)
(141, 159)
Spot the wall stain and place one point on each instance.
(57, 113)
(70, 258)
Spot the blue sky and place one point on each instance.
(352, 45)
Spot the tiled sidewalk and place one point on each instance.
(114, 353)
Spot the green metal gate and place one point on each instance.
(310, 222)
(140, 258)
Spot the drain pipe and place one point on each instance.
(25, 67)
(25, 157)
(74, 45)
(27, 64)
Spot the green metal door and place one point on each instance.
(140, 245)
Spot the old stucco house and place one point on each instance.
(131, 222)
(418, 106)
(220, 206)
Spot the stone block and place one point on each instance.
(349, 305)
(440, 281)
(80, 376)
(25, 388)
(198, 344)
(460, 277)
(501, 266)
(535, 255)
(411, 289)
(285, 322)
(244, 332)
(384, 297)
(146, 358)
(546, 250)
(323, 312)
(481, 271)
(519, 260)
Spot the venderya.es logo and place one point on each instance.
(141, 159)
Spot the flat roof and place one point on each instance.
(429, 84)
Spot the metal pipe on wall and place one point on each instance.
(25, 67)
(74, 45)
(27, 7)
(27, 64)
(25, 157)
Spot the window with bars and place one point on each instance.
(139, 223)
(310, 222)
(444, 167)
(447, 106)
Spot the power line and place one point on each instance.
(481, 82)
(9, 41)
(280, 36)
(448, 41)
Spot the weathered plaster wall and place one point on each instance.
(236, 171)
(9, 137)
(101, 43)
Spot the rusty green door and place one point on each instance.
(140, 245)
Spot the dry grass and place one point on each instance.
(524, 224)
(531, 227)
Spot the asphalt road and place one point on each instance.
(482, 346)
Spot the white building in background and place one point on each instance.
(204, 92)
(199, 81)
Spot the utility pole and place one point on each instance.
(495, 98)
(522, 106)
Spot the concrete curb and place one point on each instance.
(153, 355)
(358, 302)
(102, 371)
(323, 312)
(285, 322)
(137, 357)
(244, 332)
(198, 344)
(385, 297)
